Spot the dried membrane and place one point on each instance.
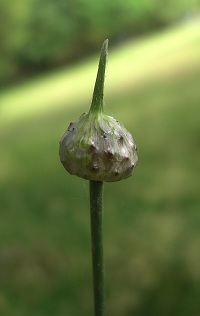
(97, 147)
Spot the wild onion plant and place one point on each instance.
(98, 148)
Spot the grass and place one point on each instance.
(152, 220)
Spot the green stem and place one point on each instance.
(97, 99)
(96, 213)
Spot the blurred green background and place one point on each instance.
(48, 62)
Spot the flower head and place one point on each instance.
(96, 146)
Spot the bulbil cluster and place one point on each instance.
(96, 146)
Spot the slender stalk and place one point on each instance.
(96, 214)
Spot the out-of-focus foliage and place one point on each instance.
(152, 219)
(41, 34)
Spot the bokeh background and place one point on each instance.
(48, 61)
